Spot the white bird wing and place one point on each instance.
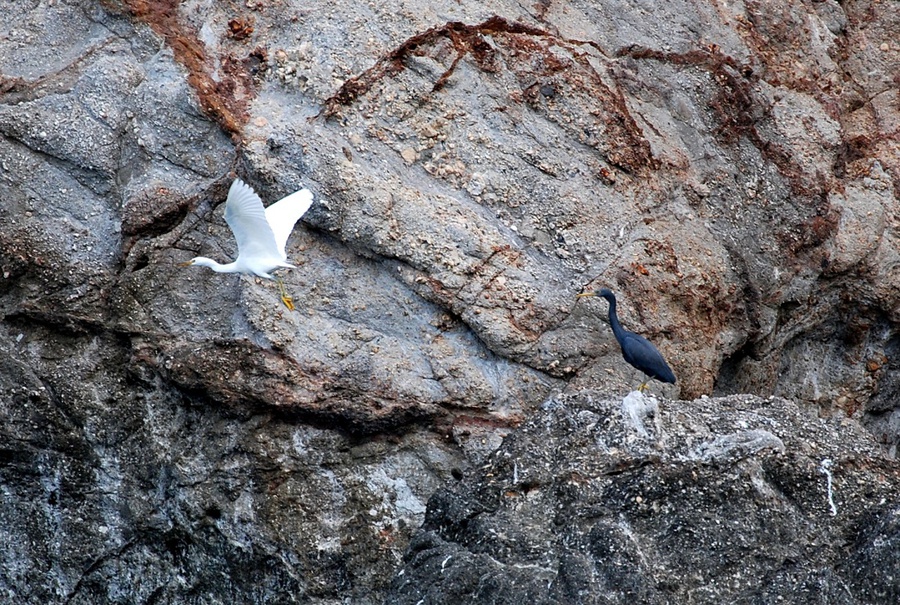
(245, 215)
(283, 214)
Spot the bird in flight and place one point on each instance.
(637, 350)
(261, 233)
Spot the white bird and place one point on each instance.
(261, 234)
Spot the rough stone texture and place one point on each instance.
(731, 500)
(175, 436)
(149, 497)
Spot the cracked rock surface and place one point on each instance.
(173, 435)
(728, 500)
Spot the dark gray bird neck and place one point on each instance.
(617, 328)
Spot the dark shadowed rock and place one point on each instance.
(734, 500)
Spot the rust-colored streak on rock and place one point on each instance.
(240, 28)
(466, 39)
(238, 374)
(737, 109)
(468, 420)
(217, 99)
(627, 147)
(8, 85)
(812, 233)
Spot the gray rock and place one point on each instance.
(176, 436)
(733, 500)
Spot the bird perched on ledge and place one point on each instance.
(261, 234)
(637, 350)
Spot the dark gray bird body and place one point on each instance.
(637, 350)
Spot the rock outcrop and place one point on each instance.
(731, 500)
(175, 436)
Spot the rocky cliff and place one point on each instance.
(731, 500)
(171, 435)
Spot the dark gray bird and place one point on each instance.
(637, 350)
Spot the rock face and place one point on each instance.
(176, 436)
(732, 500)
